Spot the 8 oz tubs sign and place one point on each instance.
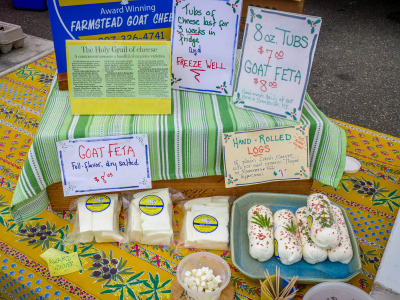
(109, 20)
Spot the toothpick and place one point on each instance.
(277, 280)
(265, 289)
(287, 288)
(270, 283)
(291, 295)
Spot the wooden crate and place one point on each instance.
(199, 187)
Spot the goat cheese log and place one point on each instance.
(311, 252)
(324, 231)
(287, 240)
(343, 252)
(260, 226)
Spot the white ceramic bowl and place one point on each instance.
(337, 291)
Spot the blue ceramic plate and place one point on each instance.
(252, 268)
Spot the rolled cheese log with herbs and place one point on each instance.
(343, 252)
(260, 226)
(311, 252)
(287, 239)
(324, 231)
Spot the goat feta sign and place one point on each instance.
(104, 164)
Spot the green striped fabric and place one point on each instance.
(185, 144)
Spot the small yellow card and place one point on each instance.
(266, 155)
(119, 77)
(61, 263)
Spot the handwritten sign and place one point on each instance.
(104, 164)
(61, 263)
(277, 53)
(119, 77)
(265, 155)
(204, 41)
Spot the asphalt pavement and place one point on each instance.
(355, 75)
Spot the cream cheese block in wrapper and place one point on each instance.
(85, 218)
(287, 239)
(206, 223)
(311, 252)
(324, 231)
(98, 218)
(343, 252)
(260, 228)
(150, 218)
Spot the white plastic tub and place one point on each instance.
(11, 36)
(336, 290)
(197, 261)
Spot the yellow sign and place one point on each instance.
(266, 155)
(119, 77)
(61, 263)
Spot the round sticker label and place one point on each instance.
(98, 203)
(310, 221)
(205, 223)
(151, 205)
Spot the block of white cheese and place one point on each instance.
(311, 252)
(260, 228)
(206, 224)
(85, 218)
(287, 239)
(150, 218)
(324, 231)
(99, 218)
(343, 252)
(134, 227)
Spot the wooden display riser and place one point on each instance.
(197, 188)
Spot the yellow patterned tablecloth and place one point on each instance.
(371, 198)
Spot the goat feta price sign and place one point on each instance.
(277, 53)
(104, 164)
(266, 155)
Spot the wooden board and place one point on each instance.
(178, 293)
(62, 81)
(199, 187)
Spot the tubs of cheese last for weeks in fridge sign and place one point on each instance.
(277, 53)
(204, 41)
(104, 164)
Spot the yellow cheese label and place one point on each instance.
(98, 203)
(205, 223)
(309, 221)
(276, 248)
(151, 205)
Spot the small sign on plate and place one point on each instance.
(104, 164)
(265, 155)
